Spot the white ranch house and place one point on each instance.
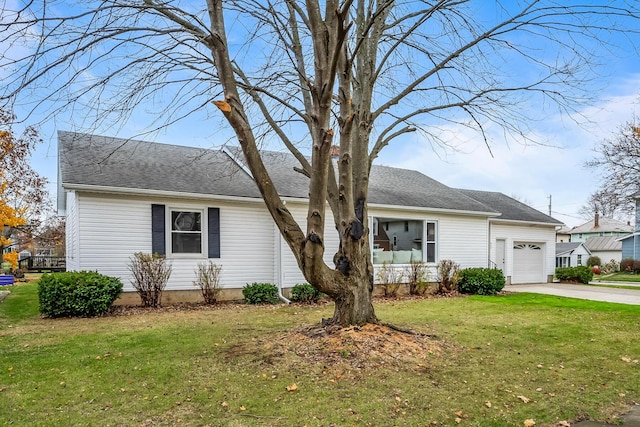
(190, 204)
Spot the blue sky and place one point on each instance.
(531, 172)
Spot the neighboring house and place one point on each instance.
(193, 205)
(600, 227)
(563, 235)
(571, 254)
(631, 242)
(606, 248)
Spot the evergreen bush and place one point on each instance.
(77, 294)
(480, 281)
(305, 293)
(581, 274)
(260, 293)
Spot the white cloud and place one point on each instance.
(532, 172)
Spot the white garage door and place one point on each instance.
(527, 263)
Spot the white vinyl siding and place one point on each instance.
(72, 239)
(114, 228)
(544, 236)
(290, 273)
(462, 239)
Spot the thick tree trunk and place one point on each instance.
(353, 305)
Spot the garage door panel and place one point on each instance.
(528, 262)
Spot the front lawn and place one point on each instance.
(492, 361)
(621, 277)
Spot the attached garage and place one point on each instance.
(522, 240)
(528, 263)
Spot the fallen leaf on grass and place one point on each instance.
(524, 399)
(224, 404)
(292, 387)
(242, 408)
(458, 420)
(529, 423)
(564, 424)
(488, 404)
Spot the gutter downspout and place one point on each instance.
(279, 266)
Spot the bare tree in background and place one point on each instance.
(313, 74)
(618, 159)
(606, 203)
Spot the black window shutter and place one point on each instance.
(158, 241)
(213, 223)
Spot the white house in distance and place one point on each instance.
(193, 205)
(571, 254)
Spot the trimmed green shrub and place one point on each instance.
(594, 261)
(260, 293)
(305, 293)
(480, 281)
(581, 274)
(77, 294)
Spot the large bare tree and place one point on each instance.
(618, 160)
(355, 73)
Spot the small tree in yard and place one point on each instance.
(310, 75)
(448, 272)
(418, 276)
(389, 279)
(208, 281)
(150, 276)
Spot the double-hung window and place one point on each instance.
(194, 232)
(186, 232)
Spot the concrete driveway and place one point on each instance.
(594, 293)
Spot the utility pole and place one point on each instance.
(549, 204)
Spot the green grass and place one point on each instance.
(571, 359)
(621, 277)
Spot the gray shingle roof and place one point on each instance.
(605, 225)
(510, 208)
(121, 163)
(90, 160)
(566, 248)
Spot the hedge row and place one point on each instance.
(582, 274)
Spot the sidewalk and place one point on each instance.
(594, 293)
(630, 419)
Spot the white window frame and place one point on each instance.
(425, 223)
(203, 232)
